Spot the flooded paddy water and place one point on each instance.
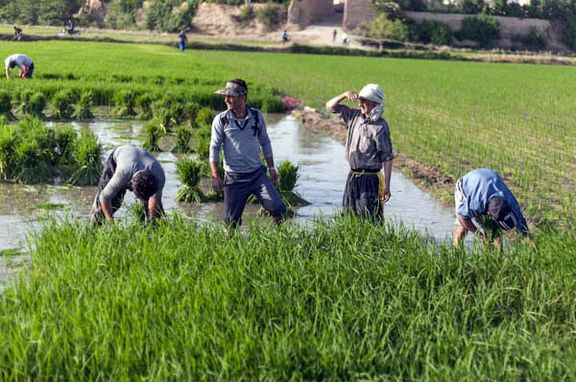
(323, 171)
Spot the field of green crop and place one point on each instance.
(338, 300)
(454, 116)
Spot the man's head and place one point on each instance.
(235, 94)
(143, 184)
(500, 211)
(12, 64)
(371, 96)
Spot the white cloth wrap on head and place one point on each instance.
(374, 93)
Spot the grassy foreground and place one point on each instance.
(335, 301)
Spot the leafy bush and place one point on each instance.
(87, 154)
(246, 14)
(383, 28)
(268, 15)
(433, 32)
(481, 28)
(533, 40)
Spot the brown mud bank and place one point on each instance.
(425, 177)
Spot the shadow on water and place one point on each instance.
(323, 171)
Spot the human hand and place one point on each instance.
(385, 197)
(217, 183)
(274, 175)
(351, 96)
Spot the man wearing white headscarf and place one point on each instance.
(368, 151)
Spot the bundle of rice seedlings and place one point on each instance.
(190, 173)
(212, 195)
(85, 105)
(204, 117)
(62, 102)
(6, 105)
(32, 104)
(88, 154)
(183, 137)
(8, 141)
(125, 102)
(153, 132)
(288, 173)
(64, 147)
(144, 102)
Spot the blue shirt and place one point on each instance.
(481, 185)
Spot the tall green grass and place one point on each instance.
(335, 301)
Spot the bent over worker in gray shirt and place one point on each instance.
(240, 132)
(129, 168)
(368, 150)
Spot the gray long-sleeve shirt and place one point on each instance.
(368, 143)
(129, 160)
(241, 139)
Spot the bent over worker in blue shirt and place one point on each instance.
(486, 206)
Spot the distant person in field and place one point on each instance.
(486, 207)
(345, 38)
(23, 62)
(334, 34)
(129, 168)
(182, 40)
(240, 132)
(70, 26)
(17, 33)
(368, 151)
(284, 37)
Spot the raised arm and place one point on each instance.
(350, 95)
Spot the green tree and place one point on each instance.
(383, 28)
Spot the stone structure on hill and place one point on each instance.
(345, 13)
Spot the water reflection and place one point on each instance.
(323, 171)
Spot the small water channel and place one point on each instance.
(323, 171)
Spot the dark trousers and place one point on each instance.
(239, 186)
(361, 195)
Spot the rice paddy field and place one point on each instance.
(335, 300)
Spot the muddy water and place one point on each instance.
(323, 171)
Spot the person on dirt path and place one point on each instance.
(129, 168)
(284, 37)
(240, 132)
(182, 40)
(486, 207)
(23, 62)
(368, 151)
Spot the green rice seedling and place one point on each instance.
(202, 149)
(65, 139)
(183, 137)
(85, 105)
(32, 104)
(6, 105)
(8, 142)
(212, 195)
(204, 117)
(336, 300)
(144, 102)
(288, 174)
(88, 154)
(162, 113)
(190, 173)
(153, 132)
(125, 103)
(63, 104)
